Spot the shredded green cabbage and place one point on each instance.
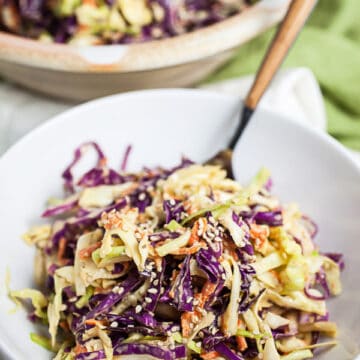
(37, 298)
(42, 341)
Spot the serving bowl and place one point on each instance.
(79, 73)
(307, 167)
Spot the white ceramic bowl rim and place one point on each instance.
(192, 92)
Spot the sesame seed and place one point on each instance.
(218, 238)
(131, 325)
(213, 331)
(198, 343)
(188, 300)
(121, 290)
(195, 318)
(168, 333)
(156, 282)
(172, 202)
(196, 302)
(116, 289)
(212, 220)
(191, 325)
(142, 196)
(152, 291)
(148, 300)
(138, 235)
(201, 334)
(114, 324)
(155, 237)
(162, 290)
(223, 276)
(148, 267)
(172, 347)
(153, 274)
(138, 309)
(73, 299)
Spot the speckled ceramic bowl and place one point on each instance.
(81, 73)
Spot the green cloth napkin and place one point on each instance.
(330, 46)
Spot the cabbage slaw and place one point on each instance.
(179, 263)
(94, 22)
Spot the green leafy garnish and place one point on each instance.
(85, 298)
(115, 252)
(192, 346)
(172, 226)
(42, 341)
(250, 335)
(177, 337)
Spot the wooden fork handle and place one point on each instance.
(294, 20)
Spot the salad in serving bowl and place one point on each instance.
(95, 22)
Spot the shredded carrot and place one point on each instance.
(64, 325)
(241, 343)
(94, 322)
(240, 340)
(79, 349)
(207, 290)
(172, 279)
(190, 250)
(83, 28)
(185, 323)
(111, 220)
(100, 290)
(260, 234)
(174, 275)
(86, 253)
(194, 237)
(61, 250)
(231, 249)
(187, 317)
(275, 274)
(210, 355)
(102, 161)
(158, 261)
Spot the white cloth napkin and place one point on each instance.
(294, 93)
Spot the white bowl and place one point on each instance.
(307, 167)
(82, 73)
